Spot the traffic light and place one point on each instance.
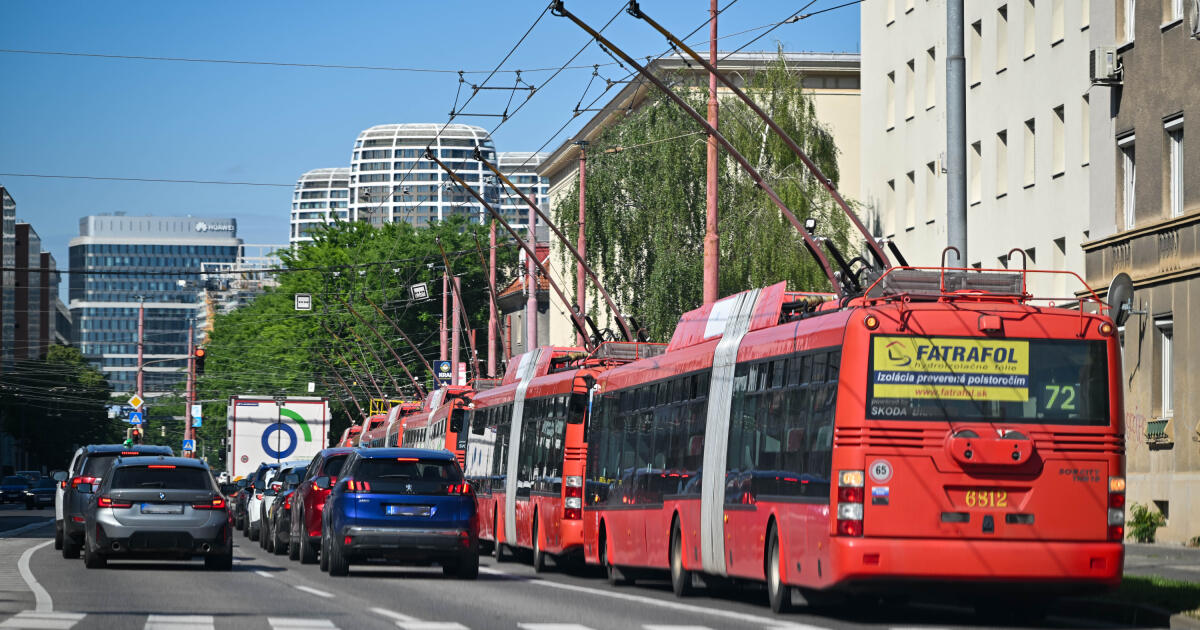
(199, 360)
(135, 435)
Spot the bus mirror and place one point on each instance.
(456, 420)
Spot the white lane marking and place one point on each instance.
(661, 603)
(179, 622)
(300, 623)
(391, 614)
(44, 603)
(314, 591)
(264, 574)
(670, 627)
(431, 625)
(43, 620)
(552, 626)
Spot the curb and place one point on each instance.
(9, 533)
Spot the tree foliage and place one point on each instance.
(268, 348)
(52, 406)
(645, 215)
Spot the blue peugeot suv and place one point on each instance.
(401, 505)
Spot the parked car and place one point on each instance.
(255, 491)
(278, 517)
(31, 475)
(12, 489)
(88, 467)
(400, 505)
(308, 502)
(158, 507)
(40, 494)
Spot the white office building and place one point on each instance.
(520, 167)
(1027, 131)
(390, 179)
(320, 197)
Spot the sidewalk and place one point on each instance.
(1174, 562)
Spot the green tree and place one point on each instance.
(645, 215)
(52, 406)
(353, 271)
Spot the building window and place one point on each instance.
(1030, 153)
(1057, 22)
(930, 78)
(1059, 148)
(1002, 163)
(891, 206)
(975, 52)
(931, 189)
(1172, 11)
(1085, 134)
(1166, 332)
(1002, 38)
(889, 11)
(1030, 29)
(1128, 179)
(910, 98)
(890, 100)
(974, 173)
(1128, 19)
(910, 200)
(1085, 17)
(1174, 131)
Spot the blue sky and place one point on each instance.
(68, 115)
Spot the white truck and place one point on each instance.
(266, 429)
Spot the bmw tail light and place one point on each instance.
(109, 502)
(217, 503)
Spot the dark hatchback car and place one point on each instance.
(276, 536)
(402, 505)
(41, 494)
(159, 507)
(88, 468)
(12, 488)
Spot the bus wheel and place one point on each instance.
(539, 556)
(681, 579)
(780, 594)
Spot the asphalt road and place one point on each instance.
(14, 515)
(266, 591)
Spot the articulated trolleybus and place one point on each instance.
(940, 431)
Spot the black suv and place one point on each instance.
(88, 468)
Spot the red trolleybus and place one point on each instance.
(374, 431)
(526, 451)
(350, 436)
(944, 430)
(439, 424)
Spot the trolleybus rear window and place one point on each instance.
(1051, 381)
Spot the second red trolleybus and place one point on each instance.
(941, 430)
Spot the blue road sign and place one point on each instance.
(197, 421)
(189, 445)
(135, 417)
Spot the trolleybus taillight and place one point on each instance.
(573, 498)
(850, 502)
(1116, 509)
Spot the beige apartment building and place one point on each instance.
(832, 79)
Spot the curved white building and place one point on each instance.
(390, 179)
(521, 167)
(321, 196)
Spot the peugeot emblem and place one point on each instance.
(408, 486)
(161, 496)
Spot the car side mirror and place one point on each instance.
(322, 482)
(59, 475)
(292, 479)
(242, 483)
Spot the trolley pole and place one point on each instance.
(580, 274)
(712, 241)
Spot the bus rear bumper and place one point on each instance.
(1048, 567)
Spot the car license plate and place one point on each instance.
(158, 508)
(407, 510)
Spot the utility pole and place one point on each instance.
(188, 432)
(531, 327)
(580, 275)
(492, 315)
(712, 242)
(445, 314)
(956, 132)
(141, 343)
(455, 334)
